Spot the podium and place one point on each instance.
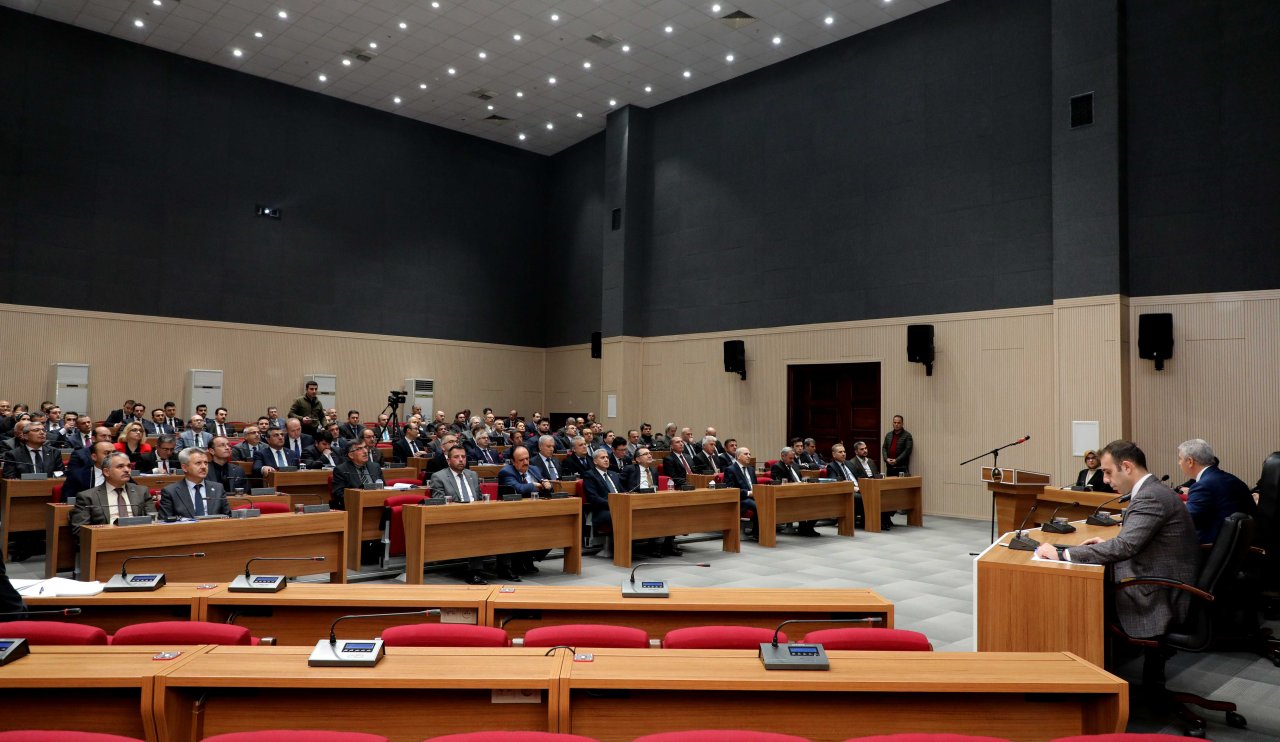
(1013, 493)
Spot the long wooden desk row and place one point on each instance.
(614, 696)
(301, 613)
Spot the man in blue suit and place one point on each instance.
(1214, 494)
(517, 476)
(274, 455)
(597, 485)
(740, 475)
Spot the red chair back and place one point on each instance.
(663, 481)
(444, 635)
(182, 632)
(266, 507)
(33, 735)
(881, 640)
(587, 635)
(720, 735)
(764, 479)
(295, 735)
(395, 520)
(56, 492)
(489, 489)
(55, 633)
(928, 737)
(512, 737)
(719, 637)
(1118, 737)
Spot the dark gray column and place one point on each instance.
(628, 184)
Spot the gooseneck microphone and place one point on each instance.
(355, 652)
(249, 583)
(333, 637)
(652, 588)
(866, 619)
(123, 583)
(279, 559)
(57, 612)
(1021, 542)
(807, 656)
(650, 564)
(1053, 526)
(124, 565)
(1098, 519)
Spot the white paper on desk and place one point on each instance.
(1038, 558)
(400, 486)
(58, 587)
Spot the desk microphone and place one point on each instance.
(652, 588)
(1021, 542)
(812, 656)
(1098, 519)
(355, 652)
(140, 582)
(14, 648)
(1055, 527)
(248, 583)
(52, 612)
(250, 512)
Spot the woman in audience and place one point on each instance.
(1091, 475)
(131, 443)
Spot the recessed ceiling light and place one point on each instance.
(435, 4)
(482, 55)
(422, 85)
(138, 22)
(397, 100)
(237, 53)
(519, 93)
(687, 74)
(829, 20)
(324, 77)
(551, 81)
(403, 25)
(373, 45)
(586, 65)
(257, 34)
(715, 8)
(728, 57)
(648, 88)
(626, 48)
(155, 2)
(668, 29)
(522, 137)
(613, 102)
(550, 125)
(579, 114)
(452, 71)
(777, 40)
(346, 63)
(555, 17)
(516, 37)
(490, 106)
(283, 15)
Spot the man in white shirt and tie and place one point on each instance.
(842, 469)
(196, 495)
(739, 475)
(220, 426)
(597, 485)
(115, 497)
(195, 435)
(294, 439)
(457, 483)
(274, 456)
(545, 462)
(677, 464)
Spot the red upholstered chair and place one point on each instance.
(587, 635)
(266, 507)
(295, 735)
(720, 735)
(764, 479)
(663, 481)
(54, 633)
(490, 490)
(51, 735)
(719, 637)
(183, 632)
(768, 465)
(393, 521)
(444, 635)
(512, 737)
(56, 493)
(1119, 737)
(883, 640)
(926, 737)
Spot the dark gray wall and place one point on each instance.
(905, 170)
(1204, 146)
(125, 169)
(576, 218)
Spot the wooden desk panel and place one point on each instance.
(364, 517)
(157, 481)
(1012, 502)
(1030, 606)
(110, 611)
(60, 547)
(530, 606)
(789, 503)
(623, 694)
(301, 613)
(436, 532)
(890, 495)
(311, 485)
(411, 695)
(486, 471)
(665, 513)
(228, 544)
(289, 501)
(22, 504)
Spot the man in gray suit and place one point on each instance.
(195, 436)
(116, 497)
(196, 494)
(1156, 539)
(457, 483)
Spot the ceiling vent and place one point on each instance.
(737, 20)
(483, 94)
(359, 55)
(604, 40)
(495, 118)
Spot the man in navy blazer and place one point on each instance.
(597, 484)
(544, 460)
(519, 477)
(270, 458)
(1214, 494)
(740, 475)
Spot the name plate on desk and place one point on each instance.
(308, 509)
(34, 475)
(134, 520)
(243, 513)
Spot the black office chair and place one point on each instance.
(1195, 634)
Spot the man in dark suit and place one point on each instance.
(409, 445)
(245, 449)
(163, 459)
(564, 439)
(171, 417)
(677, 465)
(219, 426)
(195, 436)
(545, 462)
(352, 429)
(195, 494)
(786, 471)
(102, 504)
(222, 469)
(77, 437)
(521, 478)
(618, 456)
(86, 475)
(480, 453)
(597, 485)
(708, 461)
(157, 425)
(897, 449)
(357, 472)
(274, 455)
(294, 439)
(578, 462)
(843, 470)
(640, 473)
(122, 415)
(740, 475)
(809, 457)
(321, 454)
(30, 454)
(1214, 494)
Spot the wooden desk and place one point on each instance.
(157, 481)
(623, 694)
(22, 504)
(60, 547)
(486, 471)
(530, 606)
(436, 532)
(700, 481)
(890, 495)
(291, 501)
(788, 503)
(177, 601)
(301, 613)
(1029, 606)
(311, 485)
(653, 514)
(1053, 497)
(412, 694)
(86, 689)
(228, 544)
(364, 517)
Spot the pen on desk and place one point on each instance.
(41, 590)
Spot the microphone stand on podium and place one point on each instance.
(994, 476)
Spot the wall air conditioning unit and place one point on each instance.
(421, 392)
(204, 387)
(71, 387)
(326, 389)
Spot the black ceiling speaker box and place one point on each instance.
(596, 341)
(735, 357)
(1081, 110)
(920, 346)
(1155, 338)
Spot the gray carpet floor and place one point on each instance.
(928, 574)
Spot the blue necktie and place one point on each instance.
(199, 500)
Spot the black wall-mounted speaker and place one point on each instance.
(596, 342)
(735, 357)
(1155, 338)
(920, 346)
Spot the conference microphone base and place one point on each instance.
(1056, 527)
(794, 656)
(347, 653)
(258, 584)
(246, 513)
(1098, 519)
(134, 583)
(645, 589)
(13, 649)
(1023, 543)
